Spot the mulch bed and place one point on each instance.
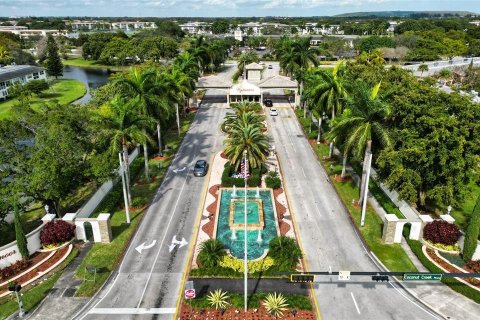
(41, 268)
(211, 209)
(449, 267)
(340, 179)
(223, 155)
(281, 210)
(158, 158)
(236, 314)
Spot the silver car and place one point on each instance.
(200, 169)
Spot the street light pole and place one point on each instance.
(365, 196)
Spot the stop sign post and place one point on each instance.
(189, 293)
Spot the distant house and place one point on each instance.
(10, 75)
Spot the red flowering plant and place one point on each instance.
(56, 232)
(440, 231)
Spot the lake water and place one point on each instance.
(92, 77)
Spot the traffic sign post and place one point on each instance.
(419, 276)
(189, 293)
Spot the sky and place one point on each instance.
(221, 8)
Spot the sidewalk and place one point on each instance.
(60, 303)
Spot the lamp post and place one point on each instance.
(245, 264)
(449, 209)
(124, 187)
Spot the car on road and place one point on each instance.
(270, 66)
(273, 112)
(201, 168)
(268, 102)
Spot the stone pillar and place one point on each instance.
(425, 219)
(228, 100)
(261, 97)
(70, 218)
(447, 217)
(105, 228)
(389, 227)
(297, 99)
(48, 217)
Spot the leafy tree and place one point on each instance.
(5, 56)
(20, 234)
(220, 26)
(368, 44)
(54, 63)
(116, 52)
(423, 68)
(473, 230)
(36, 86)
(94, 45)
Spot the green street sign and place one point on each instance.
(419, 276)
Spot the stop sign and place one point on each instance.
(189, 293)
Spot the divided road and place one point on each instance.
(328, 238)
(147, 284)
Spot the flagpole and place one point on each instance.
(245, 264)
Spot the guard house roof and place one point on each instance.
(254, 66)
(278, 82)
(12, 72)
(245, 88)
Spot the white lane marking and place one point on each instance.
(143, 246)
(355, 302)
(163, 239)
(132, 311)
(303, 172)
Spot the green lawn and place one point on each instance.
(63, 91)
(391, 255)
(32, 297)
(80, 62)
(462, 214)
(106, 256)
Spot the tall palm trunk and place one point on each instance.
(159, 137)
(178, 118)
(319, 136)
(145, 156)
(368, 151)
(344, 166)
(330, 152)
(127, 171)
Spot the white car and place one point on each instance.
(273, 112)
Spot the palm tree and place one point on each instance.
(187, 64)
(140, 86)
(362, 122)
(275, 304)
(422, 68)
(234, 122)
(211, 251)
(198, 49)
(327, 91)
(218, 299)
(124, 122)
(252, 140)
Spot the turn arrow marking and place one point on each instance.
(143, 246)
(179, 170)
(181, 243)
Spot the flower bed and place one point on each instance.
(237, 313)
(442, 247)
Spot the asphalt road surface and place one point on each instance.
(328, 237)
(147, 284)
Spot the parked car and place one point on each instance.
(270, 66)
(273, 112)
(268, 102)
(201, 168)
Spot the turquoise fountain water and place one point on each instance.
(234, 239)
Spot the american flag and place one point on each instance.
(244, 168)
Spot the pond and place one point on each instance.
(92, 77)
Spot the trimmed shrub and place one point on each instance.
(211, 252)
(139, 202)
(20, 234)
(313, 135)
(272, 180)
(37, 86)
(253, 266)
(56, 232)
(285, 251)
(473, 229)
(440, 231)
(228, 181)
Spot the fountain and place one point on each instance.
(261, 221)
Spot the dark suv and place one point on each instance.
(200, 169)
(267, 102)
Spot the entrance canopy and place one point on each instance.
(245, 88)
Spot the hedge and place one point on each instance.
(473, 229)
(255, 179)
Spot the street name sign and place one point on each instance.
(419, 276)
